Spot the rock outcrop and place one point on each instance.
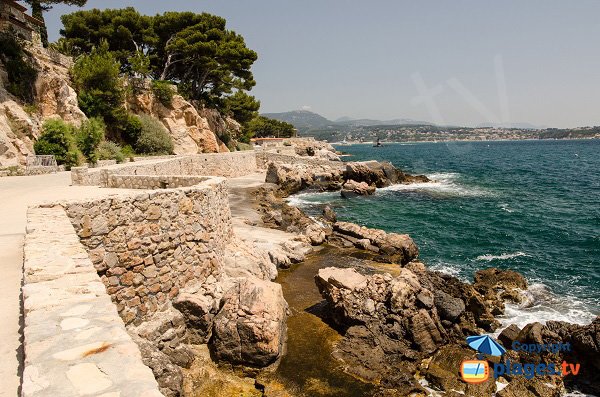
(352, 189)
(292, 178)
(190, 131)
(20, 125)
(583, 343)
(379, 174)
(392, 326)
(391, 247)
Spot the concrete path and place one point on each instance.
(16, 194)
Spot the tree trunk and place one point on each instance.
(37, 11)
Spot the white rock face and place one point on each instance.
(190, 131)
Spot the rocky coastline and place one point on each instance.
(406, 332)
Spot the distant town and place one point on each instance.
(430, 133)
(310, 124)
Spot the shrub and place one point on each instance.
(163, 91)
(89, 136)
(58, 139)
(108, 150)
(19, 68)
(126, 126)
(154, 138)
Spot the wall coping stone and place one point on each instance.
(75, 342)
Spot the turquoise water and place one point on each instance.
(531, 206)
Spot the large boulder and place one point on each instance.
(352, 189)
(250, 328)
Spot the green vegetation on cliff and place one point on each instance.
(195, 51)
(19, 67)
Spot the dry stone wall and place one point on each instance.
(146, 247)
(214, 164)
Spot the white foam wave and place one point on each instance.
(542, 305)
(504, 207)
(442, 185)
(309, 198)
(489, 257)
(445, 268)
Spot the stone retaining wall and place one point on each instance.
(148, 246)
(214, 164)
(153, 181)
(75, 342)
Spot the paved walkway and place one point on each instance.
(16, 194)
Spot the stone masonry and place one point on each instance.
(147, 246)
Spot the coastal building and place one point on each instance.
(267, 142)
(14, 17)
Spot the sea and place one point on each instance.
(530, 206)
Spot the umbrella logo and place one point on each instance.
(478, 371)
(485, 344)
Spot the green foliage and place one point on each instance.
(154, 138)
(243, 146)
(126, 31)
(58, 139)
(63, 46)
(140, 64)
(196, 51)
(19, 67)
(241, 106)
(163, 91)
(209, 60)
(89, 136)
(108, 150)
(96, 79)
(128, 152)
(262, 127)
(126, 126)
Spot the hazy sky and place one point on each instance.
(457, 62)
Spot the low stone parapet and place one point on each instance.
(153, 181)
(75, 342)
(229, 165)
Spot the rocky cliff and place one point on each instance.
(193, 129)
(20, 124)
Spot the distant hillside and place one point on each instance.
(371, 122)
(306, 121)
(301, 119)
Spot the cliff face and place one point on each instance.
(193, 131)
(20, 125)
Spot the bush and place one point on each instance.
(126, 126)
(89, 136)
(108, 150)
(163, 91)
(155, 138)
(58, 139)
(19, 68)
